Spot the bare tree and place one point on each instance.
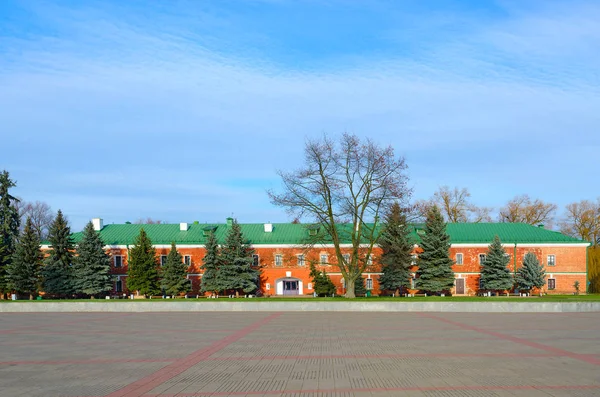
(582, 221)
(148, 221)
(41, 216)
(343, 187)
(525, 210)
(455, 205)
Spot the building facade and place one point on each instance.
(282, 253)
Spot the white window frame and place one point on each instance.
(326, 261)
(554, 282)
(268, 286)
(462, 258)
(187, 260)
(300, 260)
(278, 260)
(484, 258)
(370, 260)
(163, 262)
(115, 260)
(117, 282)
(553, 256)
(343, 281)
(413, 262)
(369, 284)
(346, 258)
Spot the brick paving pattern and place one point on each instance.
(310, 354)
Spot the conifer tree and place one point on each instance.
(322, 284)
(359, 287)
(24, 272)
(210, 266)
(142, 275)
(531, 274)
(495, 275)
(91, 267)
(397, 246)
(9, 227)
(435, 273)
(236, 272)
(174, 274)
(57, 272)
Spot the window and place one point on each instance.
(370, 260)
(187, 259)
(347, 258)
(323, 259)
(413, 282)
(255, 260)
(551, 261)
(278, 260)
(551, 283)
(118, 260)
(163, 260)
(309, 285)
(459, 259)
(119, 286)
(369, 284)
(300, 260)
(481, 258)
(343, 281)
(480, 283)
(414, 259)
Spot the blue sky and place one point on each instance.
(184, 110)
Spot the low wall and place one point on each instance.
(286, 306)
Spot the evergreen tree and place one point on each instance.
(359, 287)
(174, 274)
(58, 272)
(23, 273)
(531, 274)
(322, 284)
(142, 275)
(210, 266)
(91, 267)
(397, 246)
(495, 275)
(236, 272)
(9, 228)
(435, 273)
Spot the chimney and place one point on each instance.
(229, 221)
(183, 226)
(268, 227)
(98, 224)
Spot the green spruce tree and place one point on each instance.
(24, 272)
(397, 247)
(210, 267)
(174, 274)
(359, 287)
(142, 275)
(236, 273)
(495, 275)
(91, 267)
(9, 228)
(435, 273)
(322, 284)
(57, 272)
(531, 274)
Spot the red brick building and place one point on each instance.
(284, 259)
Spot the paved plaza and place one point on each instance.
(299, 354)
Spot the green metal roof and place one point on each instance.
(290, 233)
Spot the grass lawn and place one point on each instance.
(400, 300)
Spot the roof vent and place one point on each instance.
(313, 230)
(183, 226)
(268, 227)
(98, 224)
(229, 221)
(541, 225)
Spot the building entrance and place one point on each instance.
(290, 287)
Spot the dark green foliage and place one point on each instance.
(397, 247)
(142, 275)
(495, 275)
(24, 272)
(359, 287)
(57, 272)
(435, 273)
(9, 227)
(91, 267)
(322, 284)
(210, 266)
(174, 274)
(531, 274)
(236, 272)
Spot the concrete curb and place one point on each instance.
(304, 306)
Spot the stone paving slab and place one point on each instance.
(300, 354)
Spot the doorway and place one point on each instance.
(290, 287)
(460, 286)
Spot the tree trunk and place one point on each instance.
(397, 293)
(350, 289)
(30, 297)
(237, 293)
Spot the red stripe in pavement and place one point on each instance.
(380, 389)
(371, 356)
(147, 383)
(555, 350)
(158, 331)
(107, 361)
(36, 327)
